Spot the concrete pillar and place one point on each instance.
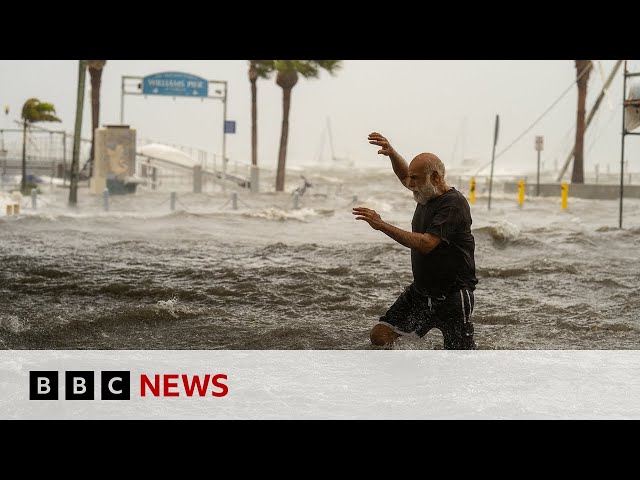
(115, 155)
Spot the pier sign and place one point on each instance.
(175, 84)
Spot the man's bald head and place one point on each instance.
(426, 177)
(428, 163)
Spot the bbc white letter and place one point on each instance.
(43, 385)
(79, 386)
(111, 389)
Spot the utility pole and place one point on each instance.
(590, 116)
(75, 162)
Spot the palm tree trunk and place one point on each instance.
(253, 78)
(577, 175)
(96, 80)
(23, 184)
(284, 137)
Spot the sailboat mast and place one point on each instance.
(333, 157)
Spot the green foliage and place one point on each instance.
(307, 68)
(263, 68)
(34, 111)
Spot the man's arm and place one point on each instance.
(399, 164)
(422, 242)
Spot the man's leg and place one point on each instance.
(405, 316)
(454, 321)
(458, 336)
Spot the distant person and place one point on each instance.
(303, 186)
(442, 256)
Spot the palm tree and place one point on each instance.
(95, 72)
(33, 111)
(287, 77)
(257, 69)
(583, 70)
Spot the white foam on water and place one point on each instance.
(173, 307)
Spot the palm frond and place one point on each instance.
(264, 68)
(307, 68)
(35, 111)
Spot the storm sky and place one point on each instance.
(447, 107)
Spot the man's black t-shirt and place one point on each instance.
(451, 265)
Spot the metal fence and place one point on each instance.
(48, 152)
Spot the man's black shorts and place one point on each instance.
(417, 313)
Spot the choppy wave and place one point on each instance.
(503, 232)
(535, 267)
(301, 215)
(173, 307)
(13, 324)
(595, 327)
(485, 319)
(501, 272)
(609, 282)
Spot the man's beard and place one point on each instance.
(424, 193)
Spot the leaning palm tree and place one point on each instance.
(583, 69)
(287, 77)
(95, 72)
(33, 111)
(257, 69)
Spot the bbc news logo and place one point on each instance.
(79, 385)
(116, 385)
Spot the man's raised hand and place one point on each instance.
(369, 216)
(377, 139)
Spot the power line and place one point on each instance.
(585, 70)
(599, 133)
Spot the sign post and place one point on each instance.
(493, 157)
(539, 148)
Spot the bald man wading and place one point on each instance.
(442, 256)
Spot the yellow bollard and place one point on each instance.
(472, 190)
(13, 209)
(565, 195)
(521, 193)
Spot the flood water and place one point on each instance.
(268, 276)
